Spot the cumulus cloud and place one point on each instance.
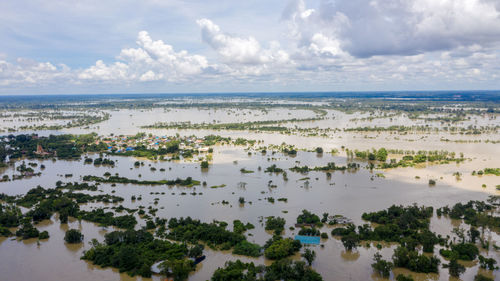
(356, 42)
(153, 60)
(101, 71)
(29, 72)
(243, 50)
(366, 28)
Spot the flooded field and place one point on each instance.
(238, 171)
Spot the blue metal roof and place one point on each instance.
(308, 239)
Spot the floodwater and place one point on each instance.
(345, 193)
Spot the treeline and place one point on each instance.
(475, 213)
(469, 130)
(188, 182)
(43, 203)
(265, 125)
(61, 146)
(284, 269)
(100, 161)
(135, 251)
(409, 159)
(409, 226)
(78, 121)
(331, 166)
(405, 225)
(487, 171)
(214, 234)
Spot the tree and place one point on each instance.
(467, 251)
(381, 266)
(350, 241)
(177, 269)
(309, 255)
(204, 164)
(275, 223)
(73, 236)
(27, 230)
(460, 232)
(277, 248)
(126, 258)
(428, 239)
(473, 234)
(413, 261)
(488, 263)
(308, 218)
(44, 235)
(196, 251)
(454, 268)
(286, 269)
(283, 269)
(382, 154)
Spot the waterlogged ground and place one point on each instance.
(130, 121)
(345, 193)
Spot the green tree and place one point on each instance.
(454, 268)
(126, 258)
(277, 248)
(275, 223)
(381, 266)
(196, 251)
(73, 236)
(382, 154)
(488, 263)
(350, 241)
(177, 269)
(309, 255)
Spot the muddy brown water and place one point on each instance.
(346, 193)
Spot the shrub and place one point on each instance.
(73, 236)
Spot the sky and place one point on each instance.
(173, 46)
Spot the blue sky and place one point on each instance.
(123, 46)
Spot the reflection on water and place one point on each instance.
(350, 256)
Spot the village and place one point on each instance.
(123, 143)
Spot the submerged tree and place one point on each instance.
(309, 255)
(350, 241)
(73, 236)
(381, 266)
(454, 268)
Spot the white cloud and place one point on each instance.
(323, 46)
(153, 60)
(365, 28)
(101, 71)
(355, 42)
(242, 50)
(150, 76)
(28, 72)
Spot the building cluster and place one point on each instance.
(129, 143)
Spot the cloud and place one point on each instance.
(28, 72)
(366, 28)
(335, 45)
(152, 61)
(101, 71)
(241, 50)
